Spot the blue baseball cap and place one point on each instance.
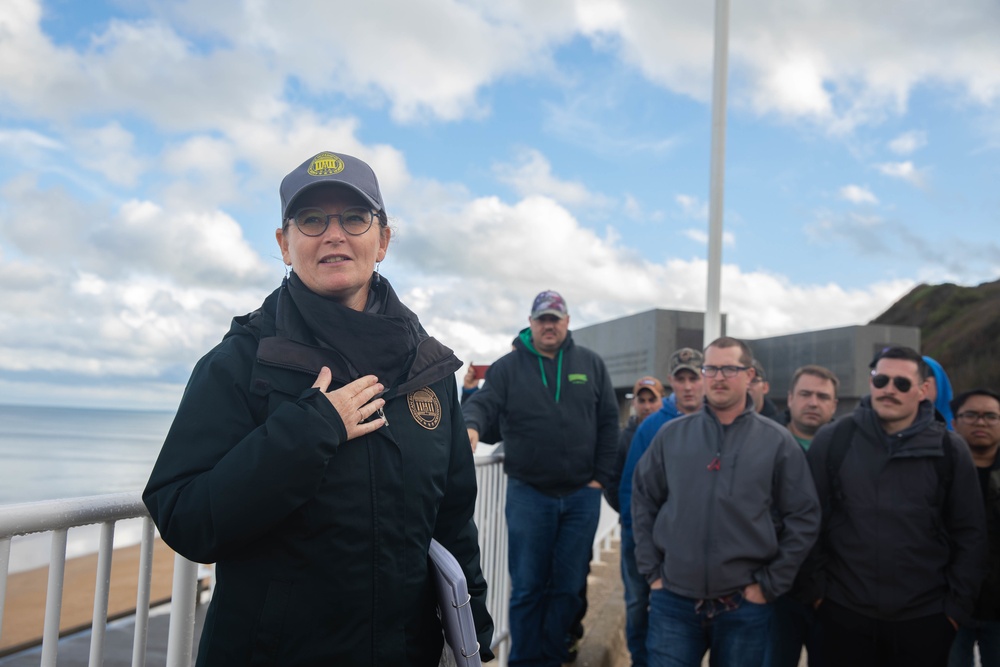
(330, 168)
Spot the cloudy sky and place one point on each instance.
(521, 146)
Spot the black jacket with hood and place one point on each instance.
(558, 417)
(320, 543)
(888, 549)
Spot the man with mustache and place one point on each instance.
(977, 420)
(902, 550)
(812, 402)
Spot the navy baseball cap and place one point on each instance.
(335, 168)
(549, 303)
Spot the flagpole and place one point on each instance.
(713, 317)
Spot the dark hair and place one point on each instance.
(821, 372)
(746, 355)
(906, 354)
(959, 401)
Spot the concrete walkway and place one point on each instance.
(603, 643)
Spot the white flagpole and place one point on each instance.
(713, 318)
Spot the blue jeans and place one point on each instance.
(636, 601)
(681, 630)
(550, 541)
(984, 633)
(793, 625)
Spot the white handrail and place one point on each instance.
(58, 516)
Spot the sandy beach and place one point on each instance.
(24, 611)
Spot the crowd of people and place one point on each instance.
(748, 532)
(323, 444)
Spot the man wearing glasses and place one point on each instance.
(977, 420)
(902, 550)
(723, 513)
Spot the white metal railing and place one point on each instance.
(492, 524)
(58, 516)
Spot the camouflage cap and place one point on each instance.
(686, 358)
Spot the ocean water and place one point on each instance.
(51, 452)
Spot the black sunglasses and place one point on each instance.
(881, 380)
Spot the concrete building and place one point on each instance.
(641, 344)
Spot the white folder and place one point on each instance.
(453, 602)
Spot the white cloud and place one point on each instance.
(905, 171)
(692, 207)
(908, 142)
(857, 194)
(109, 151)
(840, 64)
(532, 175)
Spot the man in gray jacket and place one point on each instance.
(724, 512)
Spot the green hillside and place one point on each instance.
(959, 326)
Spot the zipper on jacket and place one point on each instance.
(714, 466)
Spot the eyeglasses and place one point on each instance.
(314, 221)
(881, 380)
(727, 371)
(970, 417)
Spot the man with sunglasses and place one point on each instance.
(901, 553)
(723, 514)
(977, 420)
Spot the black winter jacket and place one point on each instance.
(988, 602)
(887, 549)
(559, 430)
(320, 544)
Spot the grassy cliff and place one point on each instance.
(959, 327)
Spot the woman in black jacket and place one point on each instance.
(318, 449)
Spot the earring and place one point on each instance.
(378, 277)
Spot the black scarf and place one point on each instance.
(373, 342)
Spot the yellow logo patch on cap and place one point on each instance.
(326, 164)
(425, 407)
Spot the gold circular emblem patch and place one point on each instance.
(326, 164)
(425, 408)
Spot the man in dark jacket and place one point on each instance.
(647, 398)
(977, 420)
(558, 417)
(902, 549)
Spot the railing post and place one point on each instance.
(53, 598)
(143, 594)
(102, 593)
(180, 636)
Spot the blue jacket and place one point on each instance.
(640, 443)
